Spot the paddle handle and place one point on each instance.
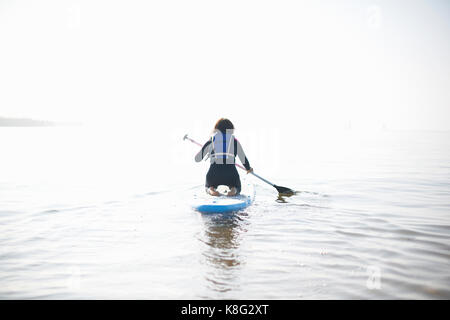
(237, 165)
(192, 140)
(266, 181)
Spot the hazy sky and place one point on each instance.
(315, 64)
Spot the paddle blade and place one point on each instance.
(284, 191)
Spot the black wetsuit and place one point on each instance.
(221, 173)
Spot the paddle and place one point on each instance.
(282, 190)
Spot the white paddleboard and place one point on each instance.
(206, 203)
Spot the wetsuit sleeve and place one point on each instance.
(203, 152)
(240, 153)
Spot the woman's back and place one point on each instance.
(222, 149)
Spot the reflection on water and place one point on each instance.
(283, 196)
(221, 241)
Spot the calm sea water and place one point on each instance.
(96, 214)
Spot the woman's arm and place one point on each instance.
(241, 154)
(203, 152)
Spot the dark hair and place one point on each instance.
(223, 125)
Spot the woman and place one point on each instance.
(222, 149)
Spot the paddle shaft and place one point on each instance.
(237, 165)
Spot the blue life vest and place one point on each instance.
(222, 148)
